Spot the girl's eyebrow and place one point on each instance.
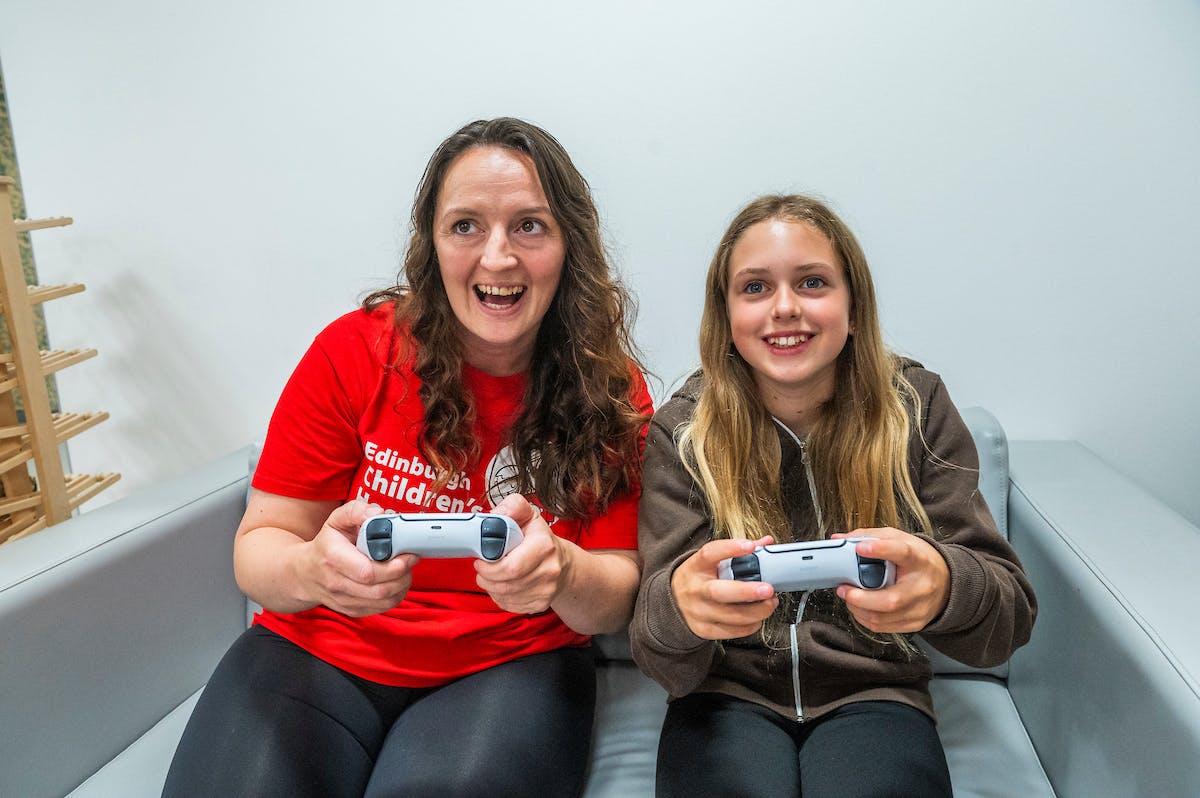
(817, 264)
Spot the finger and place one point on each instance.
(888, 606)
(714, 551)
(731, 591)
(894, 549)
(740, 614)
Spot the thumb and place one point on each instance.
(348, 518)
(518, 508)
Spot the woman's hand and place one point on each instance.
(531, 576)
(292, 554)
(721, 609)
(922, 585)
(591, 590)
(344, 579)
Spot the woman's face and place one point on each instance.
(789, 312)
(500, 254)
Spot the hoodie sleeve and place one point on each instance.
(991, 608)
(673, 523)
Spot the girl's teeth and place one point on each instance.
(791, 340)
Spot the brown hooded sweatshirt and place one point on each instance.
(813, 659)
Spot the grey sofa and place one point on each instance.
(110, 624)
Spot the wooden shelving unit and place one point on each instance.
(29, 504)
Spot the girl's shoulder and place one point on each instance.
(925, 382)
(682, 404)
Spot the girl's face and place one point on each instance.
(500, 253)
(789, 313)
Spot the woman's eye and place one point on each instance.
(464, 227)
(755, 287)
(530, 226)
(812, 282)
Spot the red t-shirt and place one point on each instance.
(346, 427)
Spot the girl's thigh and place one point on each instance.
(875, 749)
(714, 745)
(517, 729)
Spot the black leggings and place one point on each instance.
(276, 721)
(721, 746)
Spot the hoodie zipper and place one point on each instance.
(812, 492)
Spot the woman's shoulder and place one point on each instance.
(369, 332)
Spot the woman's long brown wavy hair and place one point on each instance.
(577, 440)
(857, 445)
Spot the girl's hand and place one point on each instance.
(721, 609)
(531, 576)
(922, 583)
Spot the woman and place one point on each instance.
(500, 372)
(801, 426)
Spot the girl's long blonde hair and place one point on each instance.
(857, 446)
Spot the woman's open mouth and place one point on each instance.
(499, 296)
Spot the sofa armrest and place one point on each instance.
(1107, 687)
(110, 620)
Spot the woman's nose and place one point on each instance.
(497, 250)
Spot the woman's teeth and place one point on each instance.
(499, 295)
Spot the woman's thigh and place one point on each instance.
(276, 721)
(716, 745)
(517, 729)
(873, 749)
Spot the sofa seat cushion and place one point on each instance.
(630, 708)
(987, 747)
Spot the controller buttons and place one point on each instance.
(493, 534)
(871, 572)
(379, 539)
(745, 568)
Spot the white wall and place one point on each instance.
(1025, 177)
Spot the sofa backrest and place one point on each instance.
(992, 445)
(110, 620)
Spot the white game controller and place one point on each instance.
(810, 565)
(485, 536)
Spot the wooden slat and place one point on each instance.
(45, 293)
(83, 487)
(25, 529)
(66, 425)
(12, 504)
(25, 225)
(50, 360)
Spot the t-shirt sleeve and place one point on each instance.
(312, 447)
(617, 527)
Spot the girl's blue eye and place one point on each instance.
(755, 287)
(813, 282)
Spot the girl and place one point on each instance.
(801, 426)
(499, 369)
